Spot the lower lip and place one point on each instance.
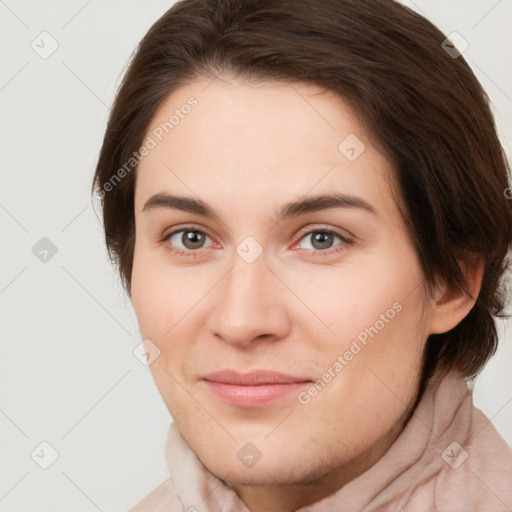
(253, 396)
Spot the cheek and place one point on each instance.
(152, 298)
(158, 297)
(381, 373)
(357, 302)
(170, 307)
(375, 353)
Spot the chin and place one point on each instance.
(274, 470)
(270, 474)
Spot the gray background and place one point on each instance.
(68, 373)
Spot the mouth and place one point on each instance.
(253, 389)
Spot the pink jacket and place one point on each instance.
(448, 458)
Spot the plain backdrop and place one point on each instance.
(68, 374)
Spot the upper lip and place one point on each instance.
(253, 378)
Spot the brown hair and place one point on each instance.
(421, 105)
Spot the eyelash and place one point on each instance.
(310, 252)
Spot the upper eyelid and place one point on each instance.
(337, 231)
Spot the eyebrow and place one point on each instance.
(293, 209)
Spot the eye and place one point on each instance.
(189, 242)
(321, 242)
(186, 242)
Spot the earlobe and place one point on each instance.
(451, 307)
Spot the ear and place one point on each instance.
(450, 308)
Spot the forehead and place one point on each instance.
(249, 140)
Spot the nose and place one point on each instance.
(250, 304)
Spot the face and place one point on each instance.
(282, 250)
